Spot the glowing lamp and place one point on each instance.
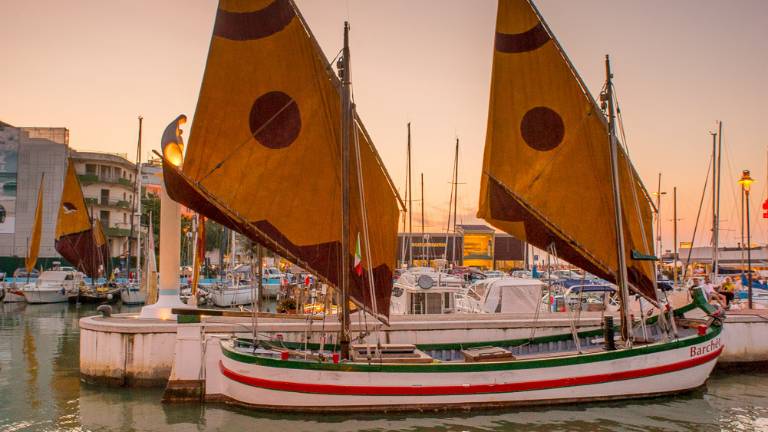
(745, 181)
(172, 143)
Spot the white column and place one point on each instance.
(170, 249)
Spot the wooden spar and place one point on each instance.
(621, 279)
(138, 204)
(346, 120)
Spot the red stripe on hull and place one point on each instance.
(464, 389)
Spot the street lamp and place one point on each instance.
(745, 182)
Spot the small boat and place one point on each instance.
(237, 292)
(102, 293)
(423, 290)
(53, 286)
(81, 241)
(132, 294)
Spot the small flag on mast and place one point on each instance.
(358, 258)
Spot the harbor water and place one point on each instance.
(40, 390)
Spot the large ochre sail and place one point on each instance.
(77, 240)
(37, 228)
(264, 153)
(547, 169)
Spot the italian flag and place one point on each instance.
(358, 258)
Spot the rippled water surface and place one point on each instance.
(40, 390)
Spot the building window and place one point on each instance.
(104, 217)
(105, 197)
(90, 169)
(125, 218)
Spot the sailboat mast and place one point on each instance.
(423, 241)
(674, 236)
(410, 202)
(346, 127)
(716, 238)
(138, 203)
(455, 200)
(621, 276)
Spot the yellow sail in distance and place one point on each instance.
(37, 229)
(80, 243)
(547, 168)
(264, 153)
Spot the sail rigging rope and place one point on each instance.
(366, 238)
(646, 248)
(698, 215)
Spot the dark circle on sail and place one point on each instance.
(252, 25)
(542, 129)
(274, 120)
(522, 42)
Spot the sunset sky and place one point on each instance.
(93, 66)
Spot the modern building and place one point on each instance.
(109, 184)
(476, 246)
(27, 156)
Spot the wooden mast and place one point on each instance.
(621, 276)
(346, 126)
(455, 201)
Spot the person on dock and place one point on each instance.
(727, 290)
(709, 291)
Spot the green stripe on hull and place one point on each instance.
(473, 367)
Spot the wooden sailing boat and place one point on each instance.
(256, 35)
(134, 292)
(81, 241)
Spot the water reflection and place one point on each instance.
(40, 390)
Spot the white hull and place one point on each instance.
(13, 296)
(35, 295)
(227, 297)
(133, 296)
(306, 386)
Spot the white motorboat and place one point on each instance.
(53, 286)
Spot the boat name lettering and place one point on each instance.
(712, 346)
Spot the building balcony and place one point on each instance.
(118, 204)
(88, 179)
(118, 232)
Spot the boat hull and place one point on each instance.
(48, 295)
(133, 296)
(231, 296)
(13, 296)
(288, 385)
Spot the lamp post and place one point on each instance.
(745, 181)
(170, 232)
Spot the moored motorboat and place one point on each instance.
(53, 286)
